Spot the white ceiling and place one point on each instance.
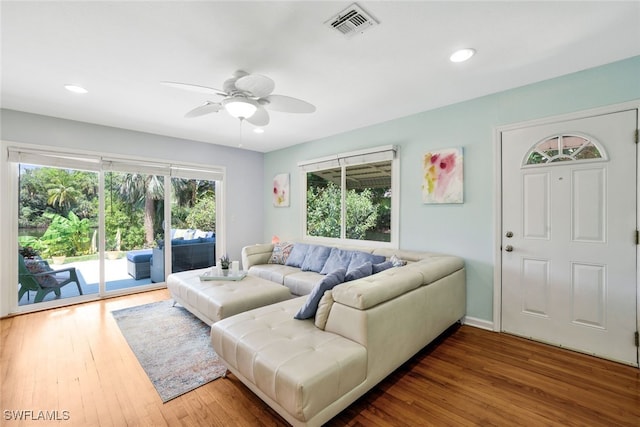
(120, 51)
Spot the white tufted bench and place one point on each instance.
(212, 301)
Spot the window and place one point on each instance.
(104, 221)
(351, 196)
(563, 148)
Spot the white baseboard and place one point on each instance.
(478, 323)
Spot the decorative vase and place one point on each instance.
(225, 271)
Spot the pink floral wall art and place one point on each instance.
(281, 190)
(442, 176)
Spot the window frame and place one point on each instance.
(571, 158)
(343, 161)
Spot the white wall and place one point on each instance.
(465, 230)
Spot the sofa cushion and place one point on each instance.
(36, 266)
(274, 272)
(324, 307)
(338, 258)
(199, 233)
(297, 255)
(310, 306)
(281, 252)
(315, 259)
(301, 282)
(139, 255)
(358, 273)
(358, 258)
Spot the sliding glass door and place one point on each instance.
(193, 224)
(133, 218)
(57, 229)
(90, 227)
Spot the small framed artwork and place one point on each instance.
(281, 190)
(442, 176)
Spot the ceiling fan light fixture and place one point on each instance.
(239, 107)
(462, 55)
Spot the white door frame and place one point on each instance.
(497, 241)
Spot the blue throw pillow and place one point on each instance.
(338, 258)
(316, 257)
(360, 258)
(297, 255)
(308, 310)
(377, 268)
(358, 273)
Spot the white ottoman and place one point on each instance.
(212, 301)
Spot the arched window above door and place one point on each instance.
(564, 148)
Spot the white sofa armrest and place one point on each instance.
(256, 254)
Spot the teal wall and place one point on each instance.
(466, 230)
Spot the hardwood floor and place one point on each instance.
(75, 359)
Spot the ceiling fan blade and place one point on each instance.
(256, 84)
(206, 108)
(195, 88)
(259, 118)
(286, 104)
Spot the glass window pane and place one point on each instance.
(561, 149)
(590, 151)
(133, 227)
(193, 224)
(324, 203)
(57, 225)
(368, 202)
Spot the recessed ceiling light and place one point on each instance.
(258, 130)
(462, 55)
(75, 89)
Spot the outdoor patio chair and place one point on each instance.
(45, 280)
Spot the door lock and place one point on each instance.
(509, 234)
(508, 248)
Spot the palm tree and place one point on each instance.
(62, 191)
(144, 189)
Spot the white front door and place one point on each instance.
(568, 234)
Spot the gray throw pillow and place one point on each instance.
(358, 258)
(296, 257)
(338, 258)
(377, 268)
(315, 259)
(308, 310)
(358, 273)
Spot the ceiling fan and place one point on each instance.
(246, 97)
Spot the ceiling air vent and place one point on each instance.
(351, 21)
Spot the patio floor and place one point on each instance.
(116, 277)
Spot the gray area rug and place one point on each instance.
(172, 346)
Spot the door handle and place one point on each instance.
(508, 248)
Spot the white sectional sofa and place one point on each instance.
(310, 370)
